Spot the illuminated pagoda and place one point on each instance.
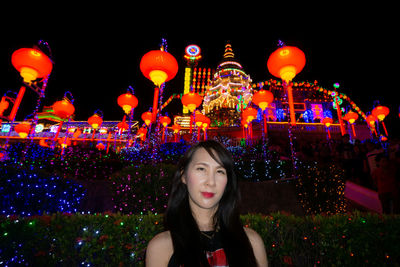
(229, 93)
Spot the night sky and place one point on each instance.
(97, 49)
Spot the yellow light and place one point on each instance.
(191, 107)
(352, 121)
(263, 105)
(381, 117)
(147, 122)
(287, 73)
(23, 135)
(95, 125)
(284, 52)
(158, 77)
(327, 124)
(28, 74)
(127, 108)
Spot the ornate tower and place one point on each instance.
(229, 92)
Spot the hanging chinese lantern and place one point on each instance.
(249, 114)
(351, 117)
(63, 108)
(176, 128)
(381, 112)
(100, 146)
(327, 122)
(262, 98)
(3, 105)
(147, 117)
(23, 129)
(159, 66)
(95, 121)
(371, 119)
(285, 63)
(123, 126)
(165, 120)
(31, 63)
(192, 100)
(127, 102)
(64, 144)
(142, 133)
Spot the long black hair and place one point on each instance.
(185, 233)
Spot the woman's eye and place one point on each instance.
(200, 169)
(221, 172)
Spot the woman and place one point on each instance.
(202, 218)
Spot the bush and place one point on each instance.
(357, 239)
(142, 188)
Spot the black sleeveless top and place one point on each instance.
(214, 251)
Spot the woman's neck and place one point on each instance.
(204, 218)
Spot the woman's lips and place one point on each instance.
(208, 194)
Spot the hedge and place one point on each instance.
(113, 239)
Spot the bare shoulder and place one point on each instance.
(258, 246)
(159, 250)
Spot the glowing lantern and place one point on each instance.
(351, 117)
(262, 98)
(122, 126)
(286, 62)
(371, 120)
(100, 146)
(147, 117)
(77, 133)
(249, 114)
(23, 129)
(191, 100)
(176, 128)
(142, 133)
(3, 105)
(327, 122)
(95, 121)
(63, 108)
(67, 142)
(159, 66)
(380, 112)
(199, 119)
(165, 120)
(31, 63)
(127, 102)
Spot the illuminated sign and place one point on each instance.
(192, 50)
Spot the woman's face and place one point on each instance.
(205, 179)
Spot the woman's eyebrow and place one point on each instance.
(207, 164)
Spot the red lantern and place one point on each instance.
(95, 121)
(147, 117)
(31, 63)
(191, 100)
(286, 62)
(351, 117)
(327, 121)
(165, 120)
(63, 108)
(249, 114)
(23, 129)
(176, 128)
(122, 126)
(199, 119)
(159, 66)
(371, 120)
(142, 133)
(380, 112)
(3, 105)
(67, 142)
(100, 146)
(262, 98)
(127, 102)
